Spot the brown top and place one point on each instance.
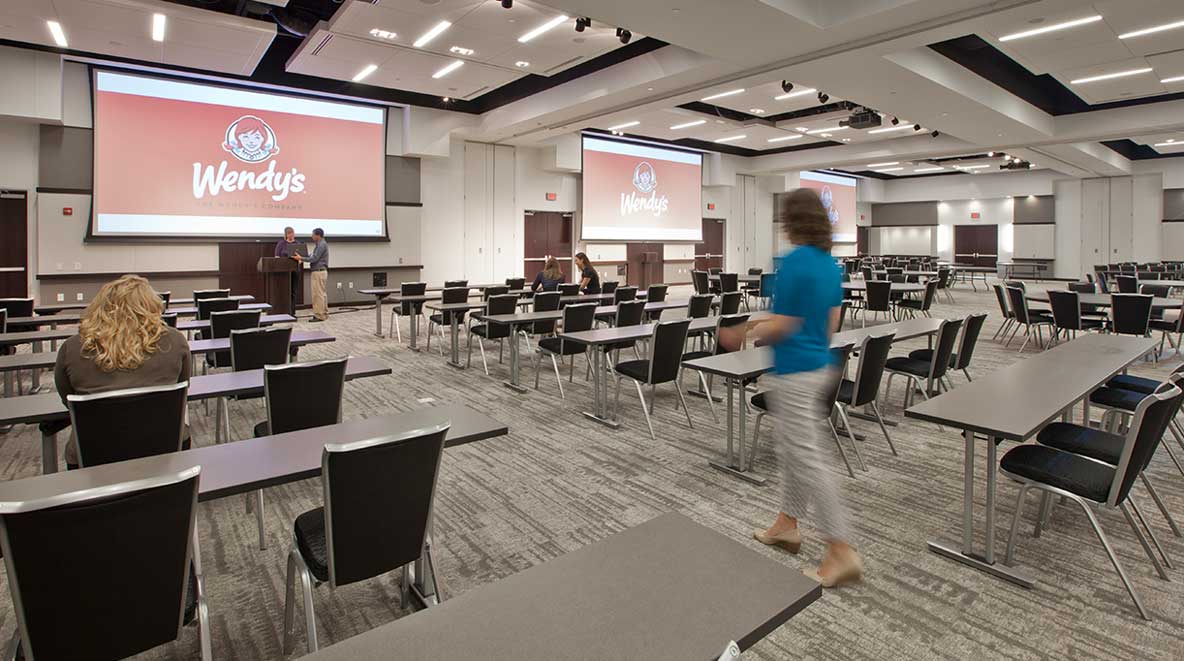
(76, 374)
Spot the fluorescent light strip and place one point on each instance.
(1108, 76)
(722, 94)
(732, 138)
(541, 29)
(1051, 28)
(889, 170)
(626, 125)
(1152, 30)
(158, 27)
(1169, 144)
(783, 138)
(971, 167)
(55, 29)
(432, 34)
(678, 127)
(1173, 79)
(908, 127)
(919, 170)
(793, 94)
(829, 130)
(880, 165)
(449, 68)
(370, 68)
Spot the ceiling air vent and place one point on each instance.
(324, 42)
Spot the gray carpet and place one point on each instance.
(559, 482)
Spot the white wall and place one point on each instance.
(993, 211)
(18, 172)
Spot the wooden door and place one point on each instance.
(710, 252)
(646, 264)
(976, 245)
(546, 234)
(861, 240)
(14, 244)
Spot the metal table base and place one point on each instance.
(731, 466)
(600, 412)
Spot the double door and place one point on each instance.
(976, 245)
(547, 234)
(710, 253)
(14, 244)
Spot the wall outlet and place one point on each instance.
(61, 296)
(400, 260)
(78, 267)
(351, 285)
(79, 297)
(339, 285)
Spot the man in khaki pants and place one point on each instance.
(318, 263)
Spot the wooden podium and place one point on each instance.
(279, 282)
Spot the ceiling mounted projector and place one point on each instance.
(868, 119)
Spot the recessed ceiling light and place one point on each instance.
(158, 21)
(1152, 30)
(1173, 79)
(832, 129)
(757, 111)
(825, 135)
(890, 170)
(732, 138)
(432, 34)
(678, 127)
(880, 165)
(55, 29)
(522, 64)
(782, 97)
(802, 129)
(460, 50)
(1051, 28)
(370, 68)
(791, 136)
(626, 125)
(449, 68)
(846, 139)
(722, 94)
(892, 128)
(1108, 76)
(383, 34)
(934, 169)
(542, 28)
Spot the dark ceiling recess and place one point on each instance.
(723, 148)
(1135, 151)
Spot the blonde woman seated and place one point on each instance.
(122, 342)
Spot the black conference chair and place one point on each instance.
(972, 325)
(609, 287)
(126, 555)
(869, 273)
(767, 287)
(221, 325)
(911, 306)
(203, 294)
(516, 283)
(252, 349)
(699, 307)
(1066, 315)
(1130, 314)
(1004, 311)
(701, 281)
(1127, 284)
(170, 319)
(945, 278)
(299, 396)
(544, 301)
(452, 284)
(1090, 482)
(1168, 328)
(663, 366)
(441, 319)
(494, 290)
(629, 313)
(722, 321)
(878, 299)
(576, 318)
(623, 294)
(729, 282)
(407, 308)
(503, 304)
(17, 307)
(1157, 291)
(377, 512)
(729, 302)
(569, 289)
(932, 370)
(1027, 318)
(1089, 311)
(1103, 284)
(865, 389)
(164, 297)
(208, 306)
(1082, 287)
(119, 425)
(655, 294)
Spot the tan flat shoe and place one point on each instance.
(790, 540)
(848, 572)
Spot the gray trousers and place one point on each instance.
(799, 427)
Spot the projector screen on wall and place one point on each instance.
(175, 158)
(640, 192)
(838, 196)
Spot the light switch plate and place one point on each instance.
(79, 296)
(61, 297)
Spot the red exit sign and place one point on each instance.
(974, 215)
(711, 206)
(551, 197)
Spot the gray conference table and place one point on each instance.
(48, 407)
(264, 320)
(1103, 300)
(897, 287)
(739, 366)
(454, 312)
(906, 273)
(192, 310)
(966, 273)
(229, 469)
(741, 279)
(388, 294)
(1013, 404)
(689, 603)
(53, 308)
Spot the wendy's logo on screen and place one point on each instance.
(644, 178)
(250, 140)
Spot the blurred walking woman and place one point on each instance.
(806, 305)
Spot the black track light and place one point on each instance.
(895, 121)
(624, 35)
(916, 127)
(582, 23)
(786, 86)
(823, 97)
(507, 3)
(935, 133)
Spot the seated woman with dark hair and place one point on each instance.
(549, 278)
(589, 278)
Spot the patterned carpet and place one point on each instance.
(558, 482)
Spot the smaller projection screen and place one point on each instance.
(838, 196)
(175, 158)
(641, 192)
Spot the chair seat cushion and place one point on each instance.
(926, 355)
(1134, 383)
(558, 346)
(622, 345)
(635, 369)
(908, 366)
(761, 400)
(912, 303)
(1063, 470)
(310, 540)
(1085, 441)
(262, 429)
(1168, 325)
(846, 391)
(1117, 398)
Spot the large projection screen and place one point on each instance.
(640, 192)
(838, 196)
(174, 158)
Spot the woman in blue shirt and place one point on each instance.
(806, 303)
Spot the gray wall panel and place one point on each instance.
(402, 180)
(1030, 209)
(66, 158)
(898, 214)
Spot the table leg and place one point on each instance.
(378, 315)
(599, 411)
(730, 466)
(36, 371)
(49, 453)
(992, 474)
(513, 383)
(413, 321)
(455, 362)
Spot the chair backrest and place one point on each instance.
(768, 284)
(1126, 267)
(1130, 314)
(412, 289)
(842, 315)
(701, 282)
(1150, 421)
(449, 284)
(873, 354)
(943, 277)
(1019, 304)
(1127, 284)
(516, 283)
(879, 295)
(896, 277)
(496, 290)
(202, 294)
(627, 293)
(221, 323)
(947, 335)
(1103, 284)
(253, 348)
(1082, 287)
(379, 495)
(894, 270)
(137, 541)
(1066, 309)
(666, 349)
(630, 313)
(869, 273)
(1161, 291)
(699, 306)
(729, 282)
(755, 271)
(971, 327)
(656, 293)
(930, 293)
(569, 289)
(728, 321)
(1018, 284)
(165, 296)
(545, 301)
(843, 356)
(17, 307)
(729, 302)
(454, 294)
(503, 304)
(170, 320)
(206, 306)
(1089, 277)
(304, 395)
(118, 425)
(609, 287)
